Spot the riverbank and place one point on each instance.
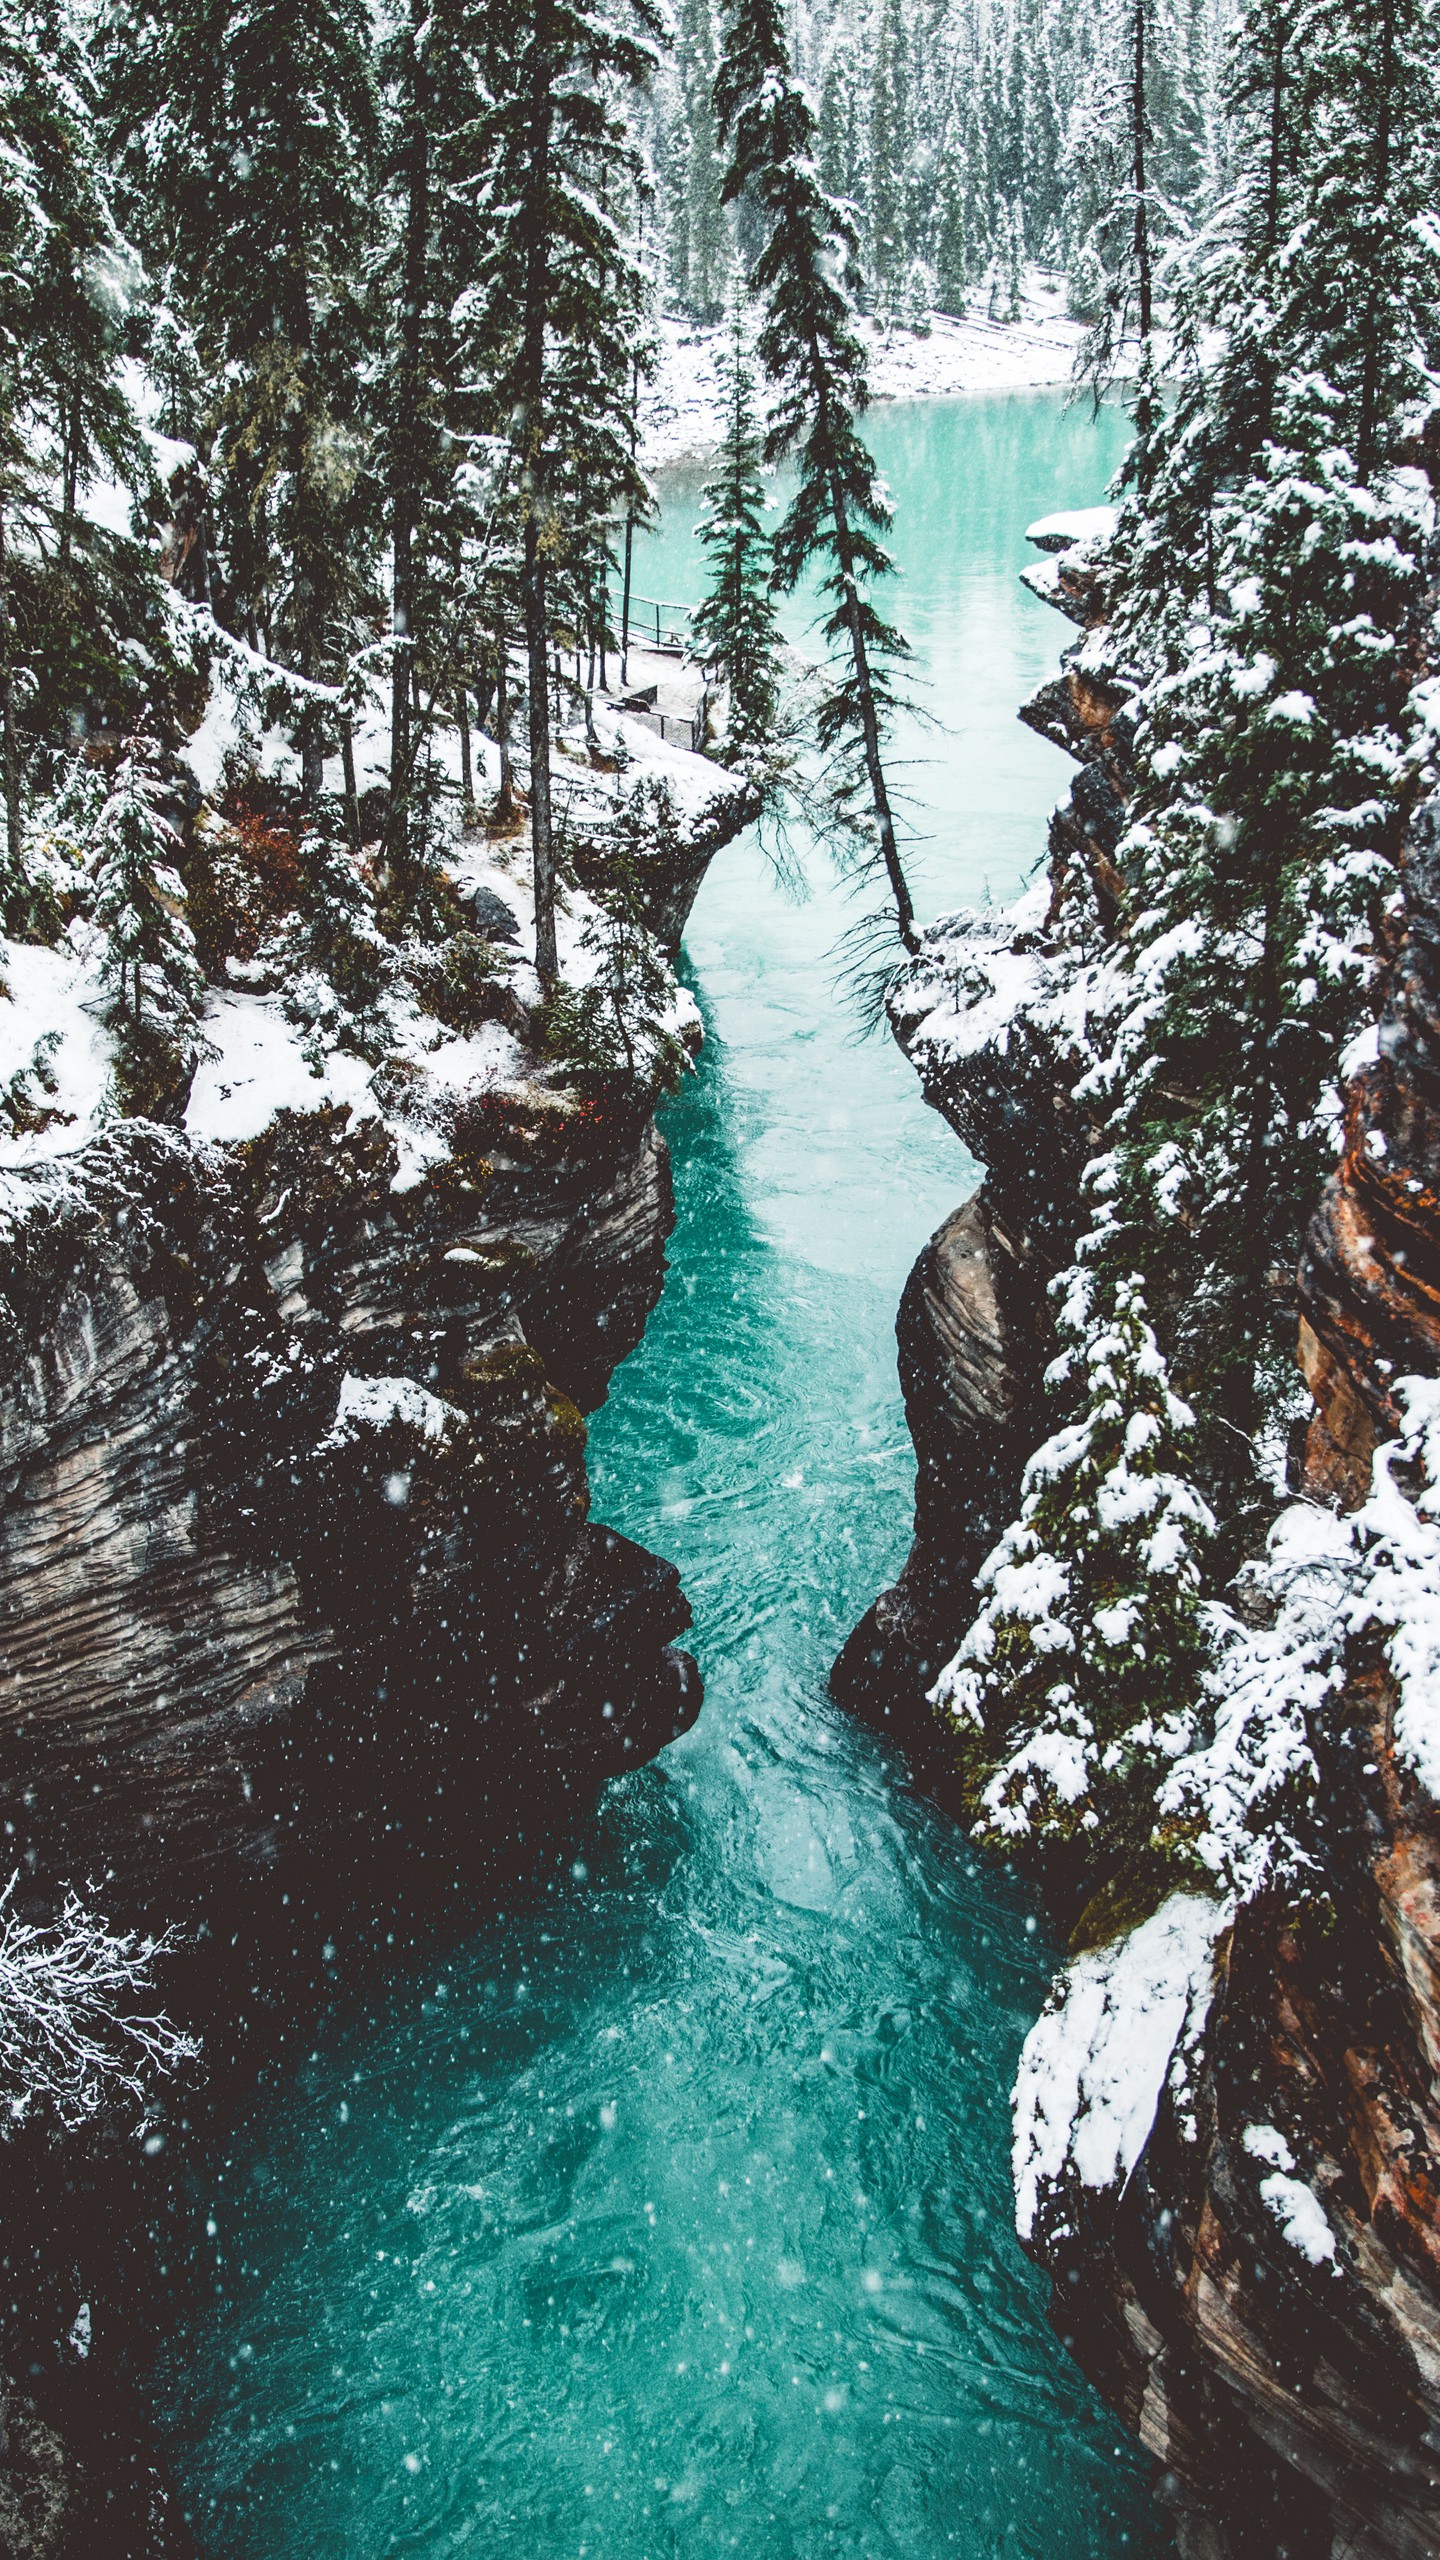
(309, 1630)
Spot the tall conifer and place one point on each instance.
(809, 347)
(565, 310)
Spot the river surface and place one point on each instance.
(668, 2214)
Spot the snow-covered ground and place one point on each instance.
(681, 411)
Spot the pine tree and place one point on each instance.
(566, 300)
(1125, 235)
(148, 967)
(251, 179)
(736, 629)
(1366, 292)
(953, 248)
(842, 157)
(617, 1022)
(1073, 1688)
(809, 348)
(1042, 142)
(1272, 594)
(677, 229)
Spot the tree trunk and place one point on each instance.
(537, 651)
(9, 765)
(71, 479)
(462, 718)
(352, 796)
(505, 803)
(312, 759)
(870, 724)
(1143, 280)
(404, 498)
(535, 316)
(625, 603)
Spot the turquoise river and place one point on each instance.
(668, 2213)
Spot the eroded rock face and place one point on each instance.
(966, 1322)
(1292, 2396)
(974, 1329)
(294, 1551)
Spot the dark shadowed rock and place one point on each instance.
(491, 918)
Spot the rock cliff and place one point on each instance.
(1297, 2398)
(294, 1552)
(974, 1325)
(1283, 2366)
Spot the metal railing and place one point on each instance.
(672, 726)
(647, 623)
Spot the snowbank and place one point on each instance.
(374, 1404)
(53, 998)
(256, 1066)
(680, 415)
(1071, 525)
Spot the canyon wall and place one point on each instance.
(295, 1550)
(1285, 2377)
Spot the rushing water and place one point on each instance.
(669, 2213)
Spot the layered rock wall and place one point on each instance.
(295, 1551)
(1296, 2399)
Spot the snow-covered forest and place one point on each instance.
(970, 141)
(327, 340)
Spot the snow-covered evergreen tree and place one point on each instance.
(736, 630)
(615, 1020)
(809, 348)
(566, 304)
(1075, 1687)
(148, 966)
(1271, 569)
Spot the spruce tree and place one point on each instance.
(701, 171)
(842, 157)
(809, 347)
(952, 239)
(735, 629)
(1272, 595)
(248, 146)
(888, 229)
(62, 287)
(1115, 144)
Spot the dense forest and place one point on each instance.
(1262, 614)
(966, 142)
(325, 344)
